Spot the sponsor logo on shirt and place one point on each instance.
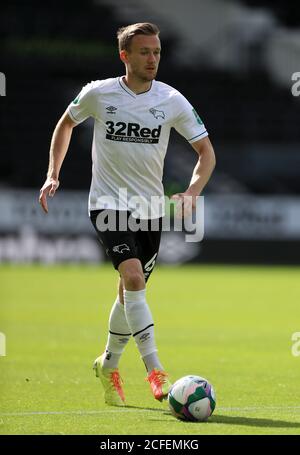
(111, 109)
(76, 101)
(132, 132)
(157, 113)
(197, 117)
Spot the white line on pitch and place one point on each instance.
(105, 411)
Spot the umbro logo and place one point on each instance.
(145, 337)
(157, 113)
(111, 109)
(123, 340)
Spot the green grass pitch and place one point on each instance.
(232, 325)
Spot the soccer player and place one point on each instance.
(133, 116)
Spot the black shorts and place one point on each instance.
(121, 245)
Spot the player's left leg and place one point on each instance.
(148, 242)
(141, 324)
(137, 311)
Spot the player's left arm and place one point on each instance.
(202, 171)
(204, 167)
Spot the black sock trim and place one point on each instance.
(120, 334)
(150, 325)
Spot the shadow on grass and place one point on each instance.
(230, 420)
(253, 422)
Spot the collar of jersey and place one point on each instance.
(130, 92)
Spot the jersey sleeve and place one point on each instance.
(187, 121)
(84, 105)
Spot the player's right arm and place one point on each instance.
(59, 146)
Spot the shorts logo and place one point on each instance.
(157, 113)
(121, 248)
(132, 132)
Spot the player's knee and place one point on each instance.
(134, 281)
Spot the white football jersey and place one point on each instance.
(131, 135)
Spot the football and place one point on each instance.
(192, 398)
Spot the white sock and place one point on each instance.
(151, 361)
(118, 336)
(141, 324)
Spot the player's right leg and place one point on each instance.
(118, 331)
(106, 365)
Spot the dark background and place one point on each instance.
(49, 50)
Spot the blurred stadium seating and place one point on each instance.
(231, 71)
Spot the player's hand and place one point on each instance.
(185, 204)
(49, 188)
